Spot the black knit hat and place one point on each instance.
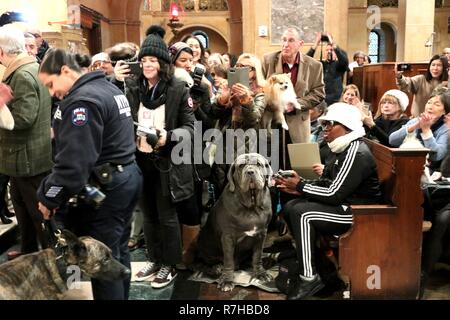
(154, 44)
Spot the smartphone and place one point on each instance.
(135, 68)
(284, 174)
(404, 67)
(238, 75)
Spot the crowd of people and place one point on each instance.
(69, 122)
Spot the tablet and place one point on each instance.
(302, 157)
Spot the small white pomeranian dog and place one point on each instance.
(280, 94)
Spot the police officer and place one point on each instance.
(94, 144)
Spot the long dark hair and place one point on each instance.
(444, 61)
(202, 48)
(55, 59)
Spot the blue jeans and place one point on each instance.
(111, 224)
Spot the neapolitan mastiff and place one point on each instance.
(43, 276)
(237, 224)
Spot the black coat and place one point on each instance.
(179, 119)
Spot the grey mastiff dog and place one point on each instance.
(237, 224)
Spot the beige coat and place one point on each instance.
(420, 88)
(310, 91)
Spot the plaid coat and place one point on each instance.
(26, 150)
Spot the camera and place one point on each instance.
(151, 134)
(198, 73)
(404, 67)
(89, 195)
(324, 38)
(92, 196)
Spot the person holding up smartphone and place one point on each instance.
(421, 86)
(239, 106)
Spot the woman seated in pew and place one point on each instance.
(428, 128)
(389, 118)
(435, 240)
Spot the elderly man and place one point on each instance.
(306, 76)
(349, 177)
(446, 52)
(31, 45)
(25, 145)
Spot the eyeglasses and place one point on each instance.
(238, 65)
(328, 123)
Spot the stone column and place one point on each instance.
(336, 17)
(416, 24)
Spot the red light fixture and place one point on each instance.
(174, 12)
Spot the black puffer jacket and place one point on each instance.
(349, 177)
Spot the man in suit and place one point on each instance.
(25, 145)
(307, 78)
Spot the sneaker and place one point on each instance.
(150, 270)
(305, 288)
(164, 277)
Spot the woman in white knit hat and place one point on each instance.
(389, 118)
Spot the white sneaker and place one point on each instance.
(150, 270)
(164, 277)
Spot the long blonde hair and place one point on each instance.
(255, 63)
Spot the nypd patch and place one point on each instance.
(79, 117)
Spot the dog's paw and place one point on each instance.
(225, 283)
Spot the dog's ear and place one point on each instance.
(268, 172)
(76, 247)
(230, 174)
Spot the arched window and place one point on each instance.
(374, 46)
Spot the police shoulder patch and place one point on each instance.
(190, 102)
(79, 116)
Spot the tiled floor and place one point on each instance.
(184, 289)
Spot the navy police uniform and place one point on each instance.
(94, 133)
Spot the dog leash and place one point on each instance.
(56, 240)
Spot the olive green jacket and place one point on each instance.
(26, 150)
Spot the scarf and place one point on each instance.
(340, 144)
(154, 97)
(20, 60)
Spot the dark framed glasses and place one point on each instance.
(328, 123)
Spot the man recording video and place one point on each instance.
(334, 66)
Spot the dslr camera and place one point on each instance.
(198, 73)
(151, 134)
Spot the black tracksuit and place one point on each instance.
(349, 177)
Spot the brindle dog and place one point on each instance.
(237, 225)
(43, 276)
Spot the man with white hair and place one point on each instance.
(307, 78)
(349, 177)
(25, 144)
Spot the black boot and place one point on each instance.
(4, 218)
(305, 288)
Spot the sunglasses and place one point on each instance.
(328, 123)
(238, 65)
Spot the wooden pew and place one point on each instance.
(385, 240)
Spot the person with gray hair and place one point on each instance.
(25, 142)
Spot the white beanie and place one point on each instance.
(345, 114)
(402, 98)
